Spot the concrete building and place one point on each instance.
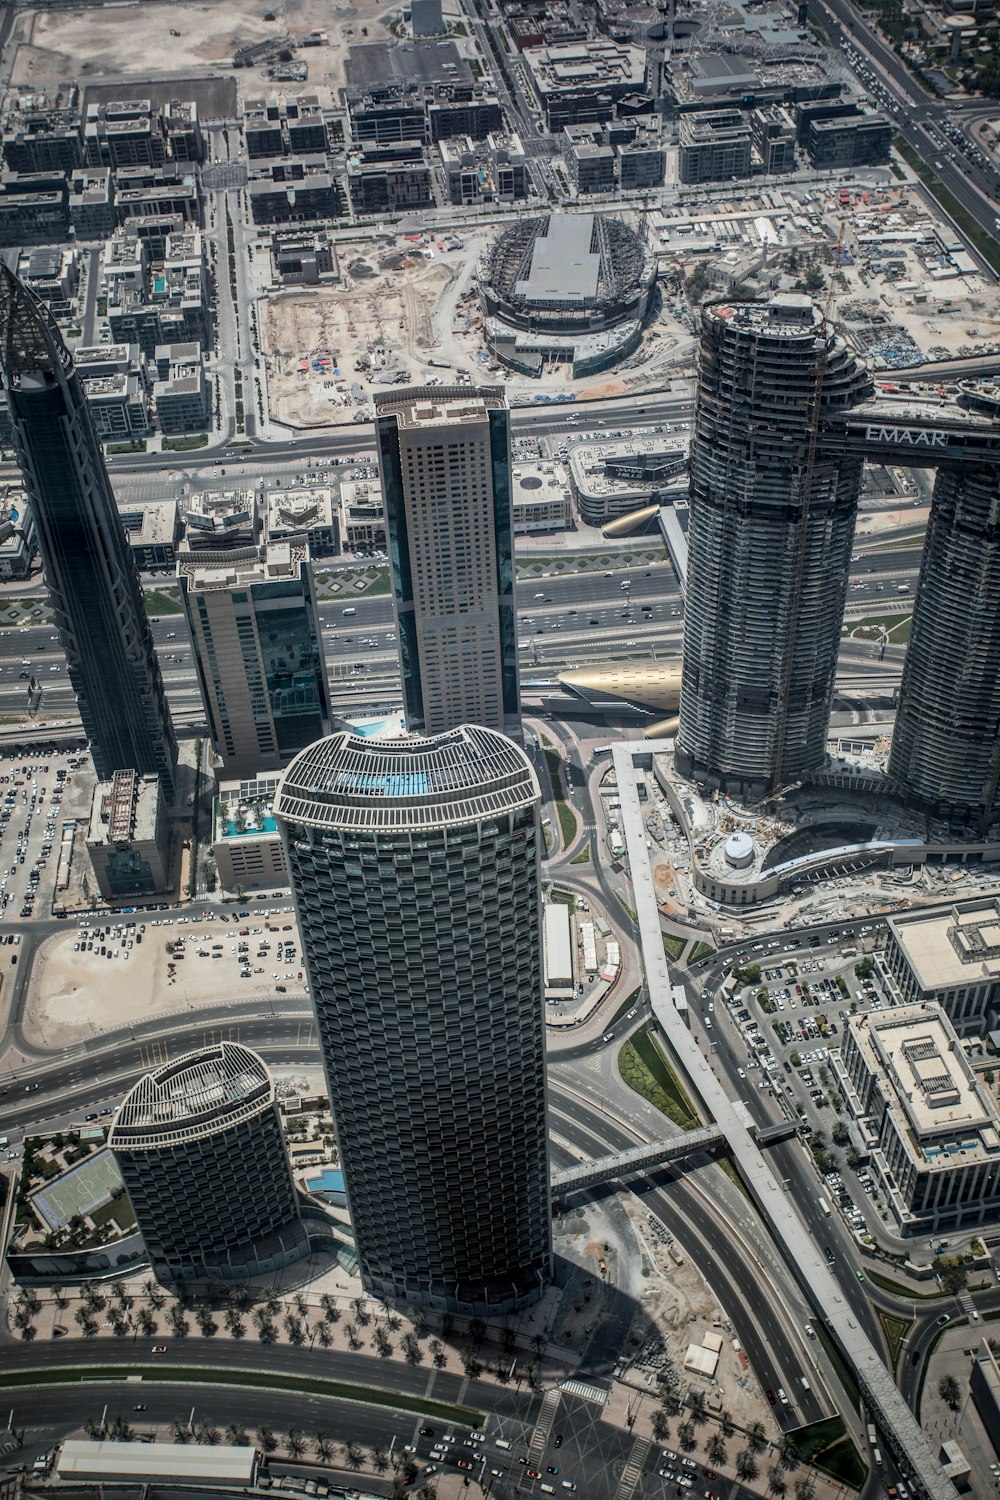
(258, 653)
(129, 837)
(246, 844)
(945, 752)
(580, 82)
(426, 18)
(119, 405)
(92, 203)
(42, 137)
(389, 177)
(309, 515)
(844, 135)
(509, 167)
(152, 527)
(558, 951)
(34, 218)
(464, 181)
(362, 515)
(444, 458)
(932, 1128)
(200, 1148)
(303, 258)
(949, 957)
(292, 190)
(123, 133)
(182, 394)
(415, 869)
(618, 477)
(541, 499)
(774, 137)
(289, 125)
(90, 576)
(221, 521)
(984, 1385)
(715, 146)
(591, 163)
(769, 544)
(18, 543)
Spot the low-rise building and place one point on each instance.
(948, 956)
(844, 135)
(715, 146)
(152, 527)
(38, 136)
(303, 258)
(182, 394)
(541, 499)
(613, 478)
(17, 534)
(591, 166)
(34, 218)
(310, 514)
(123, 133)
(577, 82)
(389, 177)
(362, 515)
(246, 843)
(932, 1129)
(509, 166)
(292, 189)
(128, 839)
(92, 203)
(984, 1386)
(118, 404)
(221, 521)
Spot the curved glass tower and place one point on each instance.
(415, 869)
(946, 741)
(770, 536)
(90, 573)
(201, 1152)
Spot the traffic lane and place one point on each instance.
(673, 1201)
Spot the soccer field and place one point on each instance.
(79, 1191)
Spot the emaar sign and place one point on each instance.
(907, 437)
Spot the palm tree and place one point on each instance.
(696, 1401)
(685, 1434)
(661, 1424)
(419, 1320)
(301, 1305)
(293, 1328)
(411, 1348)
(470, 1364)
(716, 1449)
(207, 1434)
(323, 1336)
(360, 1311)
(92, 1427)
(382, 1342)
(746, 1464)
(145, 1322)
(154, 1294)
(236, 1435)
(57, 1296)
(726, 1423)
(775, 1481)
(265, 1438)
(206, 1322)
(271, 1300)
(380, 1461)
(352, 1335)
(755, 1435)
(324, 1448)
(437, 1354)
(180, 1429)
(353, 1454)
(477, 1331)
(295, 1442)
(331, 1311)
(805, 1488)
(233, 1319)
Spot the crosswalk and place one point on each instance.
(966, 1303)
(585, 1391)
(632, 1469)
(543, 1427)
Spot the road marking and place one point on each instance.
(586, 1392)
(633, 1469)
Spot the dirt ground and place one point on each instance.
(88, 43)
(74, 995)
(386, 317)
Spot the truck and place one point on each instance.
(825, 1207)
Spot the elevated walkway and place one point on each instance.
(637, 1159)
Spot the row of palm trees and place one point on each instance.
(693, 1414)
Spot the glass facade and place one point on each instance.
(90, 574)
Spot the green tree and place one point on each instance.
(950, 1391)
(660, 1424)
(295, 1442)
(380, 1459)
(324, 1448)
(438, 1356)
(840, 1134)
(236, 1435)
(353, 1454)
(331, 1311)
(716, 1449)
(775, 1481)
(746, 1464)
(266, 1440)
(685, 1434)
(756, 1435)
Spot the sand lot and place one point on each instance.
(385, 317)
(139, 41)
(74, 994)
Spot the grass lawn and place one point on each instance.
(566, 815)
(905, 1293)
(625, 1006)
(583, 858)
(644, 1067)
(187, 441)
(565, 898)
(895, 1330)
(159, 603)
(897, 627)
(673, 946)
(700, 950)
(828, 1445)
(984, 242)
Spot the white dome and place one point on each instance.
(739, 850)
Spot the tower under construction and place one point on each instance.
(770, 536)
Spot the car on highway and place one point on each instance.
(159, 1348)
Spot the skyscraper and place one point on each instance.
(199, 1145)
(90, 575)
(769, 544)
(444, 455)
(258, 653)
(945, 750)
(415, 869)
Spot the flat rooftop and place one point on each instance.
(440, 406)
(193, 1096)
(563, 266)
(945, 949)
(943, 1116)
(275, 563)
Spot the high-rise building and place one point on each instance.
(770, 535)
(200, 1148)
(258, 653)
(415, 869)
(90, 574)
(445, 464)
(946, 743)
